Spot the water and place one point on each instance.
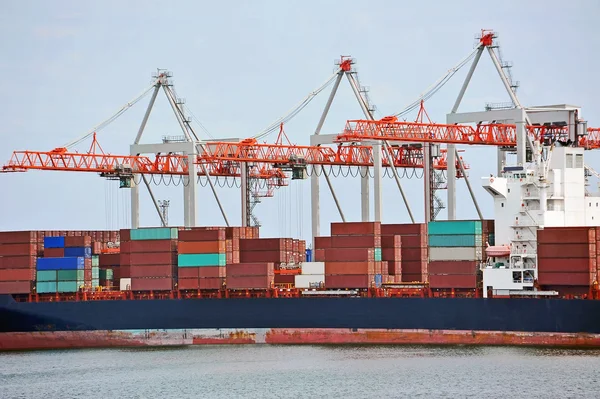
(301, 372)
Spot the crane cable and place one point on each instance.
(437, 85)
(295, 110)
(105, 123)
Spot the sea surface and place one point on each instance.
(265, 371)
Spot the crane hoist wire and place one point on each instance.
(437, 85)
(108, 121)
(294, 111)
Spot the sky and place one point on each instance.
(66, 66)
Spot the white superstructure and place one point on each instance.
(548, 192)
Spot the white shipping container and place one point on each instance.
(313, 267)
(455, 253)
(305, 280)
(125, 284)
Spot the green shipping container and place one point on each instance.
(160, 233)
(69, 275)
(43, 287)
(199, 260)
(450, 227)
(67, 286)
(106, 274)
(46, 275)
(377, 254)
(95, 282)
(95, 261)
(492, 239)
(95, 272)
(457, 240)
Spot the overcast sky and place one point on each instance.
(68, 65)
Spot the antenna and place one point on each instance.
(164, 211)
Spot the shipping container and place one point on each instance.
(18, 249)
(250, 282)
(412, 277)
(394, 241)
(319, 255)
(85, 252)
(201, 247)
(308, 256)
(17, 275)
(450, 227)
(54, 242)
(109, 259)
(406, 229)
(188, 283)
(153, 233)
(349, 268)
(355, 228)
(189, 272)
(566, 235)
(60, 263)
(309, 280)
(18, 262)
(394, 268)
(44, 287)
(210, 271)
(413, 242)
(265, 256)
(349, 281)
(413, 254)
(18, 237)
(149, 246)
(455, 253)
(15, 287)
(47, 275)
(54, 252)
(366, 241)
(67, 286)
(453, 267)
(125, 284)
(576, 265)
(313, 268)
(250, 269)
(211, 283)
(452, 281)
(106, 274)
(581, 279)
(151, 284)
(78, 241)
(202, 235)
(349, 254)
(151, 271)
(266, 244)
(95, 261)
(456, 240)
(69, 275)
(322, 242)
(199, 260)
(566, 250)
(391, 254)
(287, 279)
(414, 267)
(157, 258)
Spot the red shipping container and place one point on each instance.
(581, 279)
(15, 287)
(143, 246)
(355, 228)
(54, 252)
(201, 247)
(188, 272)
(17, 275)
(18, 249)
(123, 271)
(229, 258)
(350, 268)
(264, 244)
(125, 247)
(18, 237)
(250, 282)
(125, 259)
(566, 235)
(565, 250)
(319, 255)
(211, 283)
(384, 268)
(235, 257)
(578, 265)
(109, 259)
(18, 262)
(391, 241)
(263, 256)
(211, 271)
(366, 241)
(80, 241)
(404, 229)
(395, 268)
(232, 232)
(151, 284)
(201, 235)
(414, 267)
(413, 254)
(452, 281)
(411, 277)
(151, 271)
(322, 242)
(188, 283)
(250, 269)
(391, 254)
(87, 275)
(125, 235)
(349, 281)
(413, 242)
(97, 247)
(453, 267)
(285, 279)
(349, 254)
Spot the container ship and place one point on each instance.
(527, 277)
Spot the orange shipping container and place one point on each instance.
(201, 247)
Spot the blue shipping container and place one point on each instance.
(378, 280)
(309, 255)
(54, 242)
(60, 263)
(86, 252)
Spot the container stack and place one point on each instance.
(278, 251)
(201, 259)
(110, 270)
(251, 276)
(353, 259)
(456, 250)
(312, 275)
(233, 236)
(61, 274)
(391, 252)
(149, 257)
(18, 254)
(80, 246)
(107, 279)
(413, 250)
(567, 259)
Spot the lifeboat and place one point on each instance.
(498, 250)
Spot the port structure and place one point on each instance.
(368, 143)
